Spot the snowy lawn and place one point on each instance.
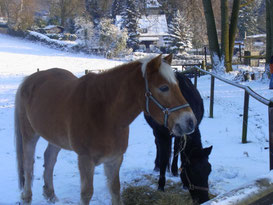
(233, 163)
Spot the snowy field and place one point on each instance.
(233, 163)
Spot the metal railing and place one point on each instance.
(248, 92)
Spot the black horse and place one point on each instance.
(195, 165)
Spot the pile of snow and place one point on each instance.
(246, 194)
(233, 163)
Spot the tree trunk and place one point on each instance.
(212, 34)
(225, 54)
(233, 25)
(269, 34)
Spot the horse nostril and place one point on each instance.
(178, 129)
(190, 124)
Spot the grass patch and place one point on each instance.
(144, 192)
(147, 195)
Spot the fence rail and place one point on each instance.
(248, 92)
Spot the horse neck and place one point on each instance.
(194, 142)
(123, 92)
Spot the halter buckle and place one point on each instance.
(148, 94)
(166, 111)
(191, 187)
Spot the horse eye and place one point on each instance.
(164, 88)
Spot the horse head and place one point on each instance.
(195, 172)
(164, 100)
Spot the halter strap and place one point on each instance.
(165, 110)
(192, 186)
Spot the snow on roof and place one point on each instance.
(152, 4)
(52, 26)
(148, 38)
(3, 20)
(155, 24)
(257, 36)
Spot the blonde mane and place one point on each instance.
(165, 70)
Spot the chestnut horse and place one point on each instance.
(91, 116)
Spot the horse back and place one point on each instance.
(44, 99)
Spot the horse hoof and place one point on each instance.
(175, 173)
(160, 189)
(50, 195)
(26, 197)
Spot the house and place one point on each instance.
(3, 25)
(53, 29)
(255, 43)
(152, 26)
(152, 30)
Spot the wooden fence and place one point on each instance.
(248, 92)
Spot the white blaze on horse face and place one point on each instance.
(185, 123)
(165, 70)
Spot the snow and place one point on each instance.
(50, 27)
(24, 57)
(49, 40)
(257, 36)
(155, 24)
(247, 192)
(152, 4)
(233, 163)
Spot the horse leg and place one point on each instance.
(86, 167)
(50, 158)
(174, 168)
(29, 144)
(111, 170)
(165, 144)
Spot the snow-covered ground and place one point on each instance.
(233, 163)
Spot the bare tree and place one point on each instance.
(20, 13)
(228, 32)
(66, 9)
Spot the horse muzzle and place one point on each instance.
(185, 124)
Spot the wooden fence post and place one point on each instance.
(203, 66)
(195, 78)
(86, 72)
(211, 96)
(38, 69)
(205, 48)
(245, 117)
(270, 125)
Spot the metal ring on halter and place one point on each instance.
(148, 94)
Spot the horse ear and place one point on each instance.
(154, 64)
(207, 151)
(168, 59)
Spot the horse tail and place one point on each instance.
(19, 139)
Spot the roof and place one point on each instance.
(52, 26)
(155, 24)
(148, 38)
(152, 4)
(257, 36)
